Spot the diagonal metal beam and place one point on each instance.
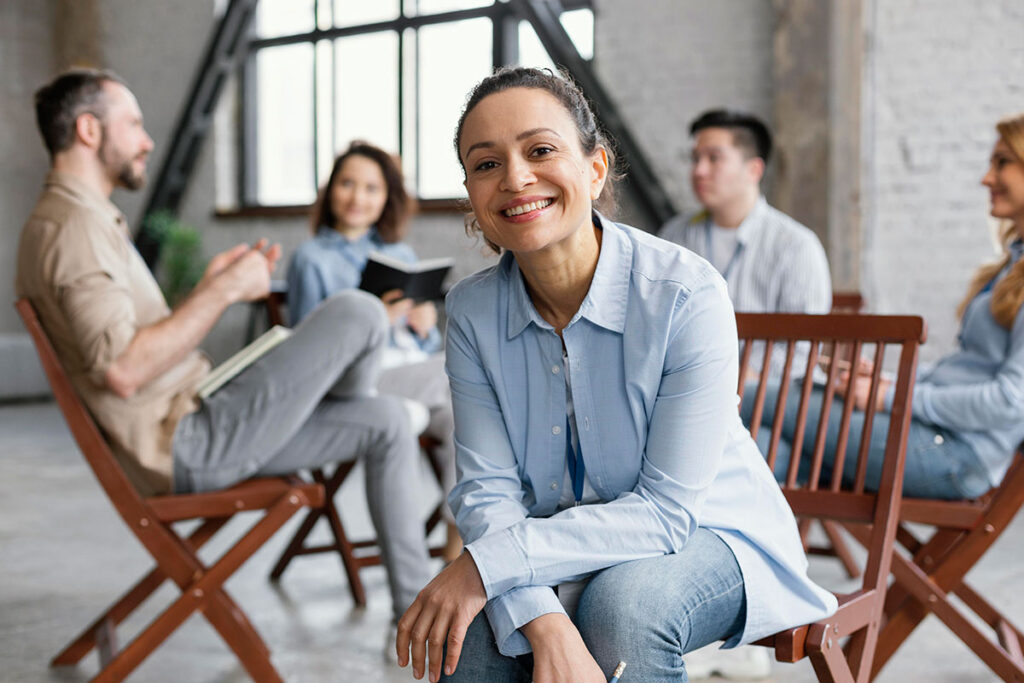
(220, 58)
(640, 177)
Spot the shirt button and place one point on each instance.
(556, 430)
(939, 440)
(555, 369)
(554, 486)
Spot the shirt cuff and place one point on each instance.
(500, 561)
(510, 611)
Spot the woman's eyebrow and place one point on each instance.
(522, 136)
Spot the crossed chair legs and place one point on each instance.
(354, 554)
(935, 569)
(202, 590)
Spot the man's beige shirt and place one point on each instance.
(93, 292)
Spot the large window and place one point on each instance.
(321, 73)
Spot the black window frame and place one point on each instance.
(505, 21)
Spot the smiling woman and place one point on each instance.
(604, 472)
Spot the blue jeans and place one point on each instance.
(647, 613)
(938, 465)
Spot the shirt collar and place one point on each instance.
(85, 194)
(605, 303)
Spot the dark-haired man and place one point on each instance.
(136, 363)
(771, 262)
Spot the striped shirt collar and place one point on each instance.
(751, 226)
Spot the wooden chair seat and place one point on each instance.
(150, 520)
(842, 647)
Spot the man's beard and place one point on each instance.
(124, 176)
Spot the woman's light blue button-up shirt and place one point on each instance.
(330, 263)
(978, 390)
(653, 356)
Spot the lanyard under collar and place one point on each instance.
(577, 470)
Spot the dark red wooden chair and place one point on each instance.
(842, 647)
(150, 521)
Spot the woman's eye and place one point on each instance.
(485, 166)
(541, 151)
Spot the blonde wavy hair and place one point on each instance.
(1008, 293)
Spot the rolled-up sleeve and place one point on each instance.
(97, 305)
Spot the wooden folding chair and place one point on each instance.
(961, 532)
(354, 554)
(842, 647)
(150, 520)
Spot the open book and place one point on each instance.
(226, 371)
(420, 281)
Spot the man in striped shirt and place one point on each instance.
(771, 264)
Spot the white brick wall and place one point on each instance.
(945, 72)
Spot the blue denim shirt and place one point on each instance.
(978, 390)
(329, 263)
(653, 356)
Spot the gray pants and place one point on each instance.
(309, 402)
(427, 383)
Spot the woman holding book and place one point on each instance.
(365, 208)
(968, 408)
(614, 506)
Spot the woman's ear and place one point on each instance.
(598, 172)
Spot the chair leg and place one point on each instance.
(929, 597)
(345, 550)
(204, 589)
(296, 546)
(827, 657)
(126, 604)
(840, 548)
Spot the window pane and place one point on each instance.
(419, 7)
(452, 59)
(284, 17)
(356, 12)
(325, 135)
(284, 125)
(579, 24)
(410, 120)
(366, 90)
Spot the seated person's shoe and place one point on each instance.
(745, 663)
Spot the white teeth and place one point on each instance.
(525, 208)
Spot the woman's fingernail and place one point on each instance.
(448, 670)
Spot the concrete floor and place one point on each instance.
(64, 556)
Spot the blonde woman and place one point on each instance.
(968, 410)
